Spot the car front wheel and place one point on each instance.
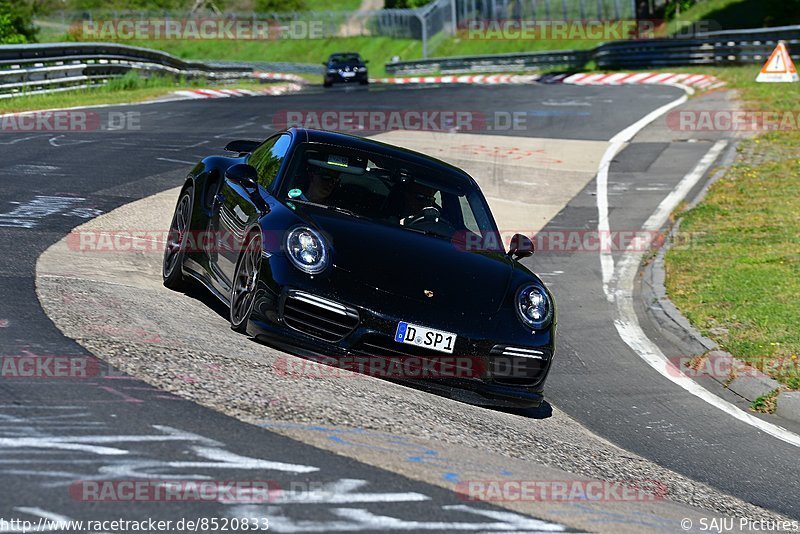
(245, 280)
(175, 250)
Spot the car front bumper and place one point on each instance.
(480, 371)
(359, 77)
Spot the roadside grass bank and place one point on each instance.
(736, 273)
(129, 88)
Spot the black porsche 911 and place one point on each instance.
(352, 252)
(345, 67)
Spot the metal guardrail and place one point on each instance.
(733, 47)
(48, 68)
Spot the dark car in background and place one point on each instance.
(345, 67)
(344, 249)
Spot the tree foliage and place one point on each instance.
(16, 23)
(405, 4)
(266, 6)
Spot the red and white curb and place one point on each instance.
(227, 93)
(475, 79)
(279, 76)
(695, 81)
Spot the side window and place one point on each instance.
(268, 157)
(468, 216)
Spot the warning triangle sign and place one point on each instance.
(779, 67)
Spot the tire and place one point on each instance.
(245, 281)
(327, 84)
(364, 82)
(175, 249)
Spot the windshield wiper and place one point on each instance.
(328, 207)
(425, 232)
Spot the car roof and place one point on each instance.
(361, 143)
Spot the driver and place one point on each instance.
(416, 197)
(321, 184)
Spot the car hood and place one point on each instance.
(406, 264)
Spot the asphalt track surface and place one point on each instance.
(597, 379)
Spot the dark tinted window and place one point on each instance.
(345, 58)
(267, 159)
(386, 189)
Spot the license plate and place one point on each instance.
(348, 74)
(428, 338)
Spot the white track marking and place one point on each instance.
(177, 161)
(627, 322)
(227, 460)
(615, 145)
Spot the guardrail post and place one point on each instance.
(424, 36)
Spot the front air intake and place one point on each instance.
(318, 317)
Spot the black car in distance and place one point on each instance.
(345, 67)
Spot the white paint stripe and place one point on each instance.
(177, 161)
(615, 145)
(631, 332)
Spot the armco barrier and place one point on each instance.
(47, 68)
(733, 47)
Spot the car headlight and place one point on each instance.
(306, 249)
(533, 307)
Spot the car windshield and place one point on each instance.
(345, 58)
(388, 190)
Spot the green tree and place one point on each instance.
(16, 22)
(266, 6)
(404, 4)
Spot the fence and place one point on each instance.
(429, 23)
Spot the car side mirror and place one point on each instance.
(243, 175)
(520, 247)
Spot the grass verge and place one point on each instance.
(737, 278)
(129, 88)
